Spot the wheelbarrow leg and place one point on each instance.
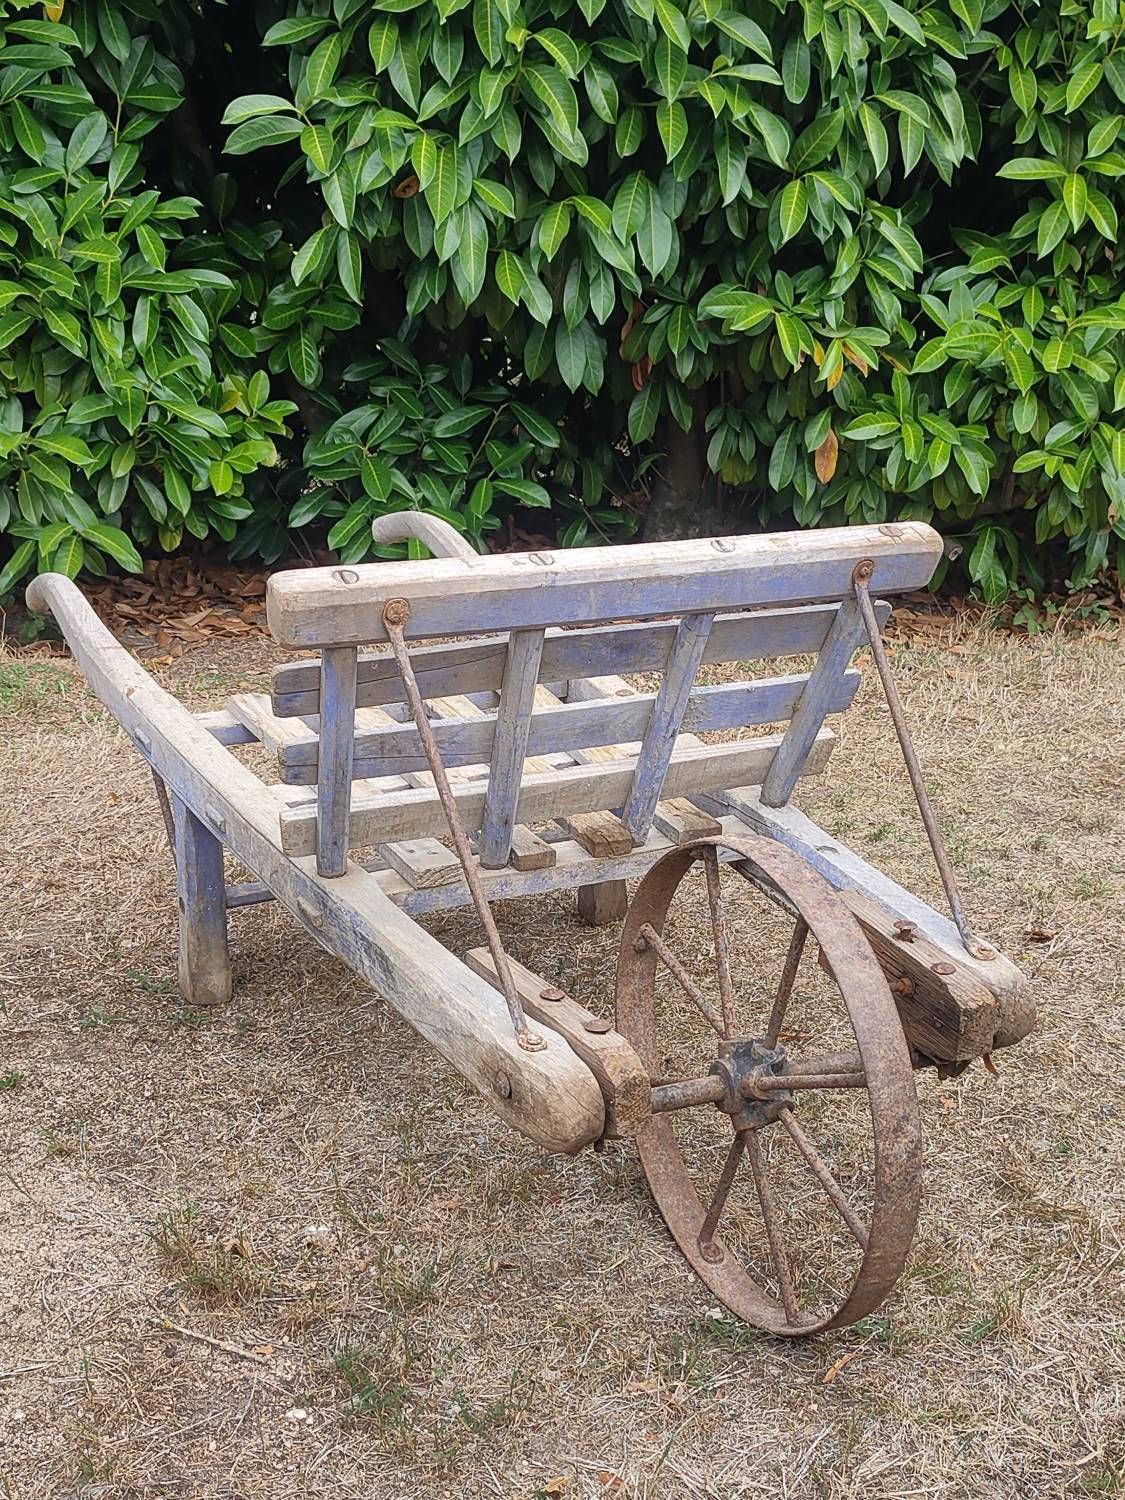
(598, 905)
(205, 977)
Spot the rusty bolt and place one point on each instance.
(905, 931)
(502, 1084)
(552, 992)
(598, 1025)
(396, 612)
(902, 986)
(944, 968)
(863, 571)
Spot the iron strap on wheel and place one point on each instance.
(860, 580)
(396, 613)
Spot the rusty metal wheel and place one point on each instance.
(851, 1080)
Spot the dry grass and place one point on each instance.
(431, 1308)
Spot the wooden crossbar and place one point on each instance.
(395, 749)
(517, 591)
(386, 817)
(605, 650)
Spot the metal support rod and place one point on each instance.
(396, 613)
(974, 945)
(649, 937)
(166, 813)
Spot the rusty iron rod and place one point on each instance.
(785, 983)
(824, 1176)
(807, 1081)
(683, 978)
(166, 813)
(707, 1247)
(686, 1093)
(773, 1229)
(396, 613)
(722, 946)
(973, 944)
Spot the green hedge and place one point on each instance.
(561, 267)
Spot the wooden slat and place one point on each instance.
(221, 723)
(681, 821)
(478, 665)
(622, 1076)
(509, 746)
(334, 777)
(523, 591)
(528, 850)
(424, 862)
(846, 635)
(204, 960)
(554, 727)
(549, 1095)
(418, 814)
(254, 711)
(665, 722)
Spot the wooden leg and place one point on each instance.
(201, 890)
(604, 903)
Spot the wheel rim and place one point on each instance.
(884, 1075)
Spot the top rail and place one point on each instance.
(516, 591)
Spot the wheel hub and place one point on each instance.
(741, 1066)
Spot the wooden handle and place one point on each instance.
(440, 537)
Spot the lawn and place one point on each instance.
(280, 1251)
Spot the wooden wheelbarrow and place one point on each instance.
(519, 761)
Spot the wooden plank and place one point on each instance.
(621, 1075)
(562, 728)
(478, 665)
(424, 862)
(521, 591)
(665, 722)
(682, 822)
(846, 635)
(602, 904)
(529, 851)
(509, 746)
(418, 813)
(602, 834)
(254, 711)
(334, 774)
(848, 871)
(204, 959)
(550, 1096)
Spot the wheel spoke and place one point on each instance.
(722, 947)
(825, 1178)
(773, 1228)
(707, 1247)
(785, 983)
(683, 979)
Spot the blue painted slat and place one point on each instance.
(204, 964)
(567, 728)
(520, 591)
(605, 650)
(334, 776)
(509, 749)
(665, 723)
(846, 635)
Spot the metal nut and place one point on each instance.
(905, 931)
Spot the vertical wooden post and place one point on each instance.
(840, 644)
(204, 969)
(513, 724)
(667, 715)
(334, 768)
(600, 904)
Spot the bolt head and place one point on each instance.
(502, 1084)
(552, 992)
(598, 1025)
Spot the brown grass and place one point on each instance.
(435, 1309)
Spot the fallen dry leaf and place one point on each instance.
(1040, 935)
(833, 1370)
(826, 456)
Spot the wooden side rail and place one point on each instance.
(551, 1096)
(343, 606)
(394, 749)
(604, 650)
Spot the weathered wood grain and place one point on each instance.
(204, 958)
(519, 591)
(550, 1096)
(334, 775)
(602, 904)
(556, 794)
(478, 665)
(509, 747)
(622, 1076)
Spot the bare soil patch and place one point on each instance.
(280, 1251)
